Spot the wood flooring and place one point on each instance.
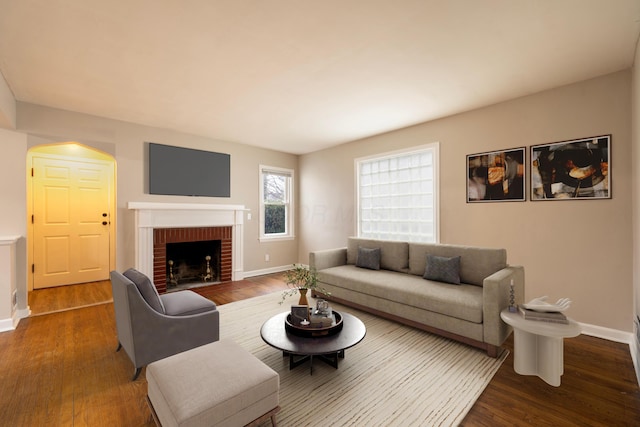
(61, 369)
(61, 298)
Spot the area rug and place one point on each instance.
(397, 376)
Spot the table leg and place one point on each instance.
(538, 355)
(551, 350)
(293, 363)
(331, 359)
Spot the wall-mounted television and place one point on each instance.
(180, 171)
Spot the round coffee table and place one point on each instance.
(300, 349)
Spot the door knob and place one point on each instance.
(104, 214)
(104, 222)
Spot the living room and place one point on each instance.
(584, 250)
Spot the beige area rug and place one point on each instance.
(397, 376)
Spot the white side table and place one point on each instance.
(538, 346)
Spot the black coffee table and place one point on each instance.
(300, 349)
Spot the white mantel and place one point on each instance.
(173, 215)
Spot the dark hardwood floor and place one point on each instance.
(61, 369)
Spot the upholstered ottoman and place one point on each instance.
(217, 384)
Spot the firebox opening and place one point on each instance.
(193, 264)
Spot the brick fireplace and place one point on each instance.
(157, 224)
(164, 236)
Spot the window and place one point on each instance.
(398, 195)
(276, 204)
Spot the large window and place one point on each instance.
(398, 195)
(276, 203)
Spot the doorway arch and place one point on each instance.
(60, 160)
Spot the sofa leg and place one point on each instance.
(494, 351)
(119, 346)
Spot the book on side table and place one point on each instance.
(543, 316)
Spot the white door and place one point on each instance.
(70, 221)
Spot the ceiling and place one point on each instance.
(300, 75)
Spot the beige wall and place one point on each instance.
(13, 176)
(7, 106)
(577, 249)
(125, 141)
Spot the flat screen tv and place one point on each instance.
(179, 171)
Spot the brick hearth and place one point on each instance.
(162, 236)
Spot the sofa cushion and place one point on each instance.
(393, 255)
(476, 263)
(443, 269)
(185, 303)
(146, 288)
(463, 301)
(368, 258)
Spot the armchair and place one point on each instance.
(151, 327)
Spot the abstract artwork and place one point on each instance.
(576, 169)
(496, 176)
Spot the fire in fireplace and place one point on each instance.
(193, 263)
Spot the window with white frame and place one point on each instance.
(276, 203)
(398, 195)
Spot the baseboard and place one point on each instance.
(606, 333)
(7, 324)
(269, 270)
(24, 313)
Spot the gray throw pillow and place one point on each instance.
(443, 269)
(146, 288)
(368, 258)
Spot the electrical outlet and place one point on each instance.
(637, 322)
(14, 299)
(266, 257)
(249, 216)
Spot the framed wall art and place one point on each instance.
(496, 176)
(569, 170)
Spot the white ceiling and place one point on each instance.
(302, 75)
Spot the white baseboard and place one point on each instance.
(23, 314)
(269, 270)
(8, 324)
(606, 333)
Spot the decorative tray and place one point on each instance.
(308, 331)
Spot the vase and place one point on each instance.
(303, 297)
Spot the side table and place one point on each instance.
(538, 346)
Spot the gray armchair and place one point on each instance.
(151, 327)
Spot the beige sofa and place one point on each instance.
(468, 312)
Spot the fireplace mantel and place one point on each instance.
(149, 216)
